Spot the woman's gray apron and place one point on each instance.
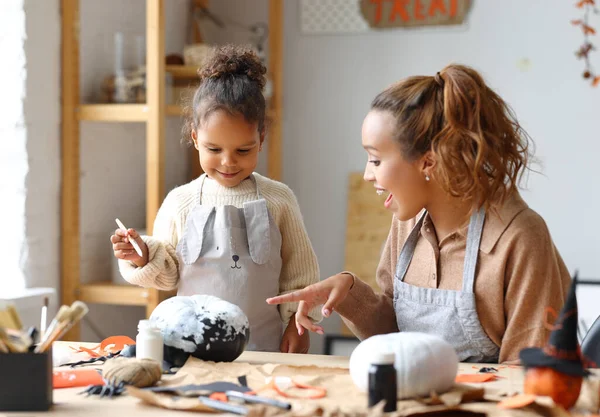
(445, 313)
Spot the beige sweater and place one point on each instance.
(299, 267)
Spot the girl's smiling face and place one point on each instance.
(228, 147)
(388, 169)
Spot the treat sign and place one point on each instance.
(406, 13)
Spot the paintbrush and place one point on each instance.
(13, 345)
(15, 316)
(61, 315)
(44, 318)
(19, 337)
(9, 318)
(76, 312)
(3, 347)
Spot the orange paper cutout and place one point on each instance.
(76, 378)
(474, 378)
(109, 345)
(117, 342)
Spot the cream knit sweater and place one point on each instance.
(299, 267)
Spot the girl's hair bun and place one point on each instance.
(234, 61)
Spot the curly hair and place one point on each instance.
(481, 151)
(232, 80)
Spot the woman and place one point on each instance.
(466, 258)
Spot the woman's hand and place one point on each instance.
(123, 249)
(329, 293)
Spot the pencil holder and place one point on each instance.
(26, 381)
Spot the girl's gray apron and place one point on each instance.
(445, 313)
(235, 254)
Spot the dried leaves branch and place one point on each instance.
(588, 6)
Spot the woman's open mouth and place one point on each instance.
(388, 200)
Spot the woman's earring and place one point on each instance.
(427, 177)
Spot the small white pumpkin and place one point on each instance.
(424, 362)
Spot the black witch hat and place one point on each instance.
(562, 352)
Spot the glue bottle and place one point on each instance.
(149, 342)
(382, 381)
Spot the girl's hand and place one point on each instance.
(123, 248)
(329, 293)
(292, 342)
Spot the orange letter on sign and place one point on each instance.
(377, 10)
(419, 10)
(437, 5)
(453, 7)
(399, 9)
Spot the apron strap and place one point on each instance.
(472, 250)
(200, 185)
(471, 253)
(258, 229)
(408, 249)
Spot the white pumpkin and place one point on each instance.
(424, 362)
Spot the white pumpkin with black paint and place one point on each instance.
(424, 362)
(203, 326)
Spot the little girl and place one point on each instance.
(466, 259)
(231, 233)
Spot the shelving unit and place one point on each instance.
(153, 113)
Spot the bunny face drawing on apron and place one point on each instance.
(446, 313)
(235, 254)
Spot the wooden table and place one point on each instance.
(67, 402)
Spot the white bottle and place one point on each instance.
(149, 342)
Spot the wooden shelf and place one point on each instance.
(153, 113)
(113, 112)
(109, 293)
(121, 112)
(182, 71)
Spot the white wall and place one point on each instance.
(13, 147)
(330, 81)
(30, 153)
(42, 120)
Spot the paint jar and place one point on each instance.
(149, 342)
(382, 381)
